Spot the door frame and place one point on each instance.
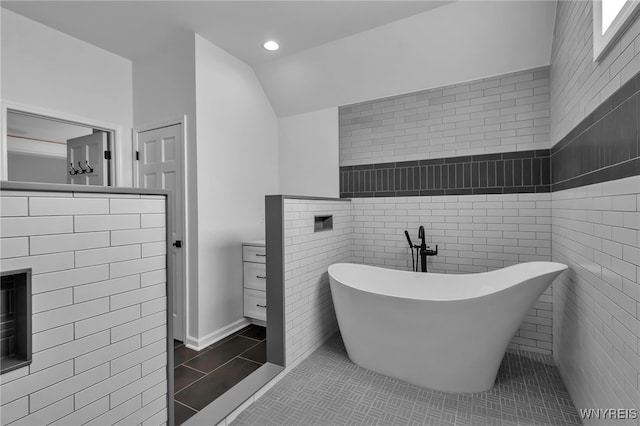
(182, 204)
(115, 132)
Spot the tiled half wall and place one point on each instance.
(309, 315)
(99, 307)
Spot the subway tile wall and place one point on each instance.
(595, 227)
(578, 85)
(474, 233)
(99, 307)
(504, 113)
(596, 231)
(309, 314)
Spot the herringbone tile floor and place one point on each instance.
(328, 389)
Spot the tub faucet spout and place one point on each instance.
(423, 250)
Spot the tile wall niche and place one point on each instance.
(595, 215)
(309, 315)
(99, 307)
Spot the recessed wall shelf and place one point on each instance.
(15, 319)
(323, 223)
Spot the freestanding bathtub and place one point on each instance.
(442, 331)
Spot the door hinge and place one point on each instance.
(137, 155)
(107, 155)
(177, 244)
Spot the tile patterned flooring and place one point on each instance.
(202, 376)
(328, 389)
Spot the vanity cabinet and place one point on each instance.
(254, 273)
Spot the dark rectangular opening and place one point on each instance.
(15, 319)
(322, 223)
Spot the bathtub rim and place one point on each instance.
(557, 268)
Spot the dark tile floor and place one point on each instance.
(202, 376)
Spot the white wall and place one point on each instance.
(164, 89)
(237, 165)
(36, 168)
(461, 41)
(49, 70)
(308, 154)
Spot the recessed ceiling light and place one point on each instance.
(271, 45)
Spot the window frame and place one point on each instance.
(602, 43)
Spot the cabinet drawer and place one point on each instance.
(253, 254)
(255, 275)
(255, 304)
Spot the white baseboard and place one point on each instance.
(219, 334)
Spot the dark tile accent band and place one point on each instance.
(501, 173)
(604, 146)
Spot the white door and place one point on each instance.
(160, 167)
(85, 160)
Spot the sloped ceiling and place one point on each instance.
(458, 42)
(333, 52)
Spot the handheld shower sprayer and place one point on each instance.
(406, 234)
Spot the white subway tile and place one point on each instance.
(71, 277)
(13, 206)
(14, 247)
(67, 387)
(28, 384)
(153, 277)
(154, 249)
(154, 334)
(106, 354)
(145, 235)
(138, 387)
(105, 387)
(106, 222)
(137, 296)
(39, 264)
(53, 337)
(51, 300)
(47, 414)
(64, 351)
(67, 206)
(67, 242)
(137, 326)
(146, 411)
(136, 357)
(106, 288)
(137, 206)
(113, 417)
(61, 316)
(14, 410)
(106, 255)
(137, 266)
(105, 320)
(153, 220)
(86, 413)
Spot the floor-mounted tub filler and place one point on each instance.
(446, 332)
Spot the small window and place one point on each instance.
(610, 19)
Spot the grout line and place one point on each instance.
(182, 403)
(191, 368)
(247, 359)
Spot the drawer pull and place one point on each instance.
(260, 276)
(261, 306)
(261, 254)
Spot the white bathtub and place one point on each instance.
(442, 331)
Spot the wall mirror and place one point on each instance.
(49, 150)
